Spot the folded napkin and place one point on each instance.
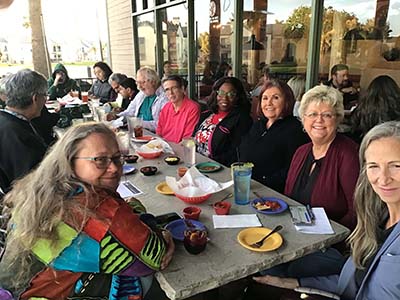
(321, 223)
(236, 221)
(68, 99)
(195, 184)
(157, 144)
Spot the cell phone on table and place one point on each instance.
(164, 219)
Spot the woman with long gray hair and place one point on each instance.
(372, 270)
(71, 235)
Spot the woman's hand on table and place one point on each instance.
(170, 249)
(286, 283)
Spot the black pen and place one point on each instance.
(310, 212)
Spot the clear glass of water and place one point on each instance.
(241, 174)
(189, 151)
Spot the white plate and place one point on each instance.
(143, 139)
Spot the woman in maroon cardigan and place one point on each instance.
(323, 173)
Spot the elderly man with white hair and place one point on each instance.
(149, 101)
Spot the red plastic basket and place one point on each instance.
(149, 155)
(193, 200)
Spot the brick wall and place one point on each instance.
(120, 31)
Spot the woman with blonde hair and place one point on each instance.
(298, 86)
(71, 235)
(372, 270)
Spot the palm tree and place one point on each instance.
(40, 55)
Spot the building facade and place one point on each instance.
(201, 39)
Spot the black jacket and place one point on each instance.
(20, 149)
(103, 90)
(227, 135)
(271, 150)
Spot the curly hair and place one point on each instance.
(240, 101)
(323, 94)
(381, 103)
(41, 199)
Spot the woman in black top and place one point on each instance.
(101, 88)
(227, 119)
(274, 138)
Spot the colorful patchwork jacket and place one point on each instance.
(103, 260)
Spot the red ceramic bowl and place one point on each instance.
(222, 207)
(191, 212)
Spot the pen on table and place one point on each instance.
(310, 212)
(307, 217)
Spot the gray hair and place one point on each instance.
(22, 86)
(323, 94)
(42, 197)
(370, 209)
(117, 77)
(298, 86)
(150, 75)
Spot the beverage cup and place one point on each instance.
(195, 240)
(85, 96)
(135, 126)
(88, 117)
(241, 174)
(101, 114)
(189, 151)
(123, 143)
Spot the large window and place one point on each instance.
(214, 32)
(174, 32)
(147, 40)
(275, 33)
(365, 36)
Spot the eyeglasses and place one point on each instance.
(230, 94)
(326, 116)
(172, 89)
(141, 82)
(102, 162)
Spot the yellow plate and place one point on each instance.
(249, 236)
(163, 188)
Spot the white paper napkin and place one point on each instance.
(195, 184)
(157, 143)
(236, 221)
(321, 223)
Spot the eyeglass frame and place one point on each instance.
(118, 160)
(231, 94)
(326, 116)
(172, 89)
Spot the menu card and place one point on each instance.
(127, 189)
(236, 221)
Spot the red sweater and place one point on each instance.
(173, 125)
(334, 187)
